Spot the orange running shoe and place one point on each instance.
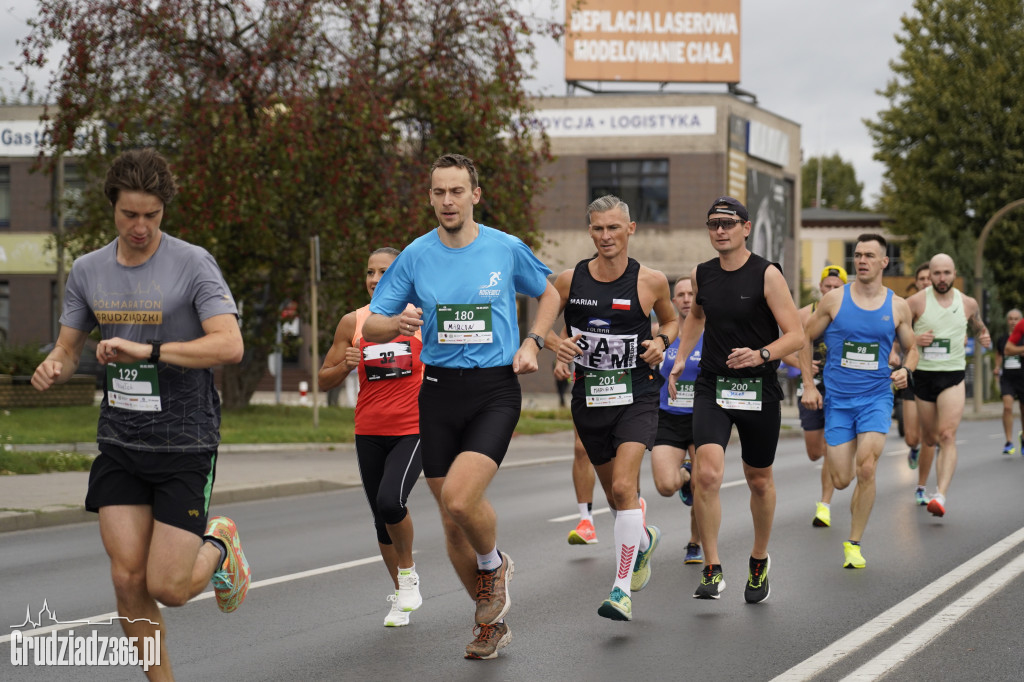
(231, 580)
(583, 533)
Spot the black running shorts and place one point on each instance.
(675, 430)
(928, 385)
(1012, 384)
(466, 410)
(603, 429)
(758, 430)
(177, 485)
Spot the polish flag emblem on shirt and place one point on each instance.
(620, 304)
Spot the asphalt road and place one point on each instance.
(940, 598)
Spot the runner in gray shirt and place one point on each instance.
(166, 317)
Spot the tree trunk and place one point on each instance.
(239, 381)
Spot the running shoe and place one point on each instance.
(822, 516)
(912, 456)
(712, 583)
(1008, 449)
(693, 554)
(396, 618)
(489, 638)
(757, 589)
(492, 597)
(231, 580)
(686, 492)
(642, 568)
(921, 496)
(937, 506)
(618, 606)
(643, 511)
(583, 533)
(409, 598)
(852, 558)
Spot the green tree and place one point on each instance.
(286, 119)
(839, 186)
(952, 137)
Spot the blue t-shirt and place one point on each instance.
(690, 371)
(490, 270)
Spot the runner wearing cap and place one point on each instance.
(741, 301)
(812, 421)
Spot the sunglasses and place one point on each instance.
(724, 223)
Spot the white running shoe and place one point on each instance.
(409, 598)
(396, 618)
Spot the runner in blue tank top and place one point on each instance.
(859, 322)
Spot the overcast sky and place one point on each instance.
(815, 63)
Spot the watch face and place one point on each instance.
(765, 354)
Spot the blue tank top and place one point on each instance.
(690, 371)
(859, 342)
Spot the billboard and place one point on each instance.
(665, 41)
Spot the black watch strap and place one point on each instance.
(664, 339)
(537, 339)
(155, 355)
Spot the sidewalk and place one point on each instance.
(262, 471)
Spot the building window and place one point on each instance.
(74, 187)
(893, 251)
(5, 310)
(5, 196)
(641, 183)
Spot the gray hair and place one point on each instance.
(1014, 310)
(607, 203)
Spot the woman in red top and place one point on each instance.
(387, 433)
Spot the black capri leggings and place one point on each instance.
(389, 467)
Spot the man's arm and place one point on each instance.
(668, 323)
(974, 321)
(220, 344)
(905, 334)
(815, 326)
(62, 361)
(342, 358)
(382, 328)
(548, 307)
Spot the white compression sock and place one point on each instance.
(629, 532)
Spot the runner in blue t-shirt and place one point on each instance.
(462, 279)
(672, 454)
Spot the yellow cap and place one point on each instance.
(833, 271)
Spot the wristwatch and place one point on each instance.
(155, 355)
(664, 339)
(766, 354)
(537, 339)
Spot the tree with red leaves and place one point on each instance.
(285, 119)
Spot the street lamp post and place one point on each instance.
(978, 292)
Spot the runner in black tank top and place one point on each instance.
(608, 302)
(613, 324)
(741, 302)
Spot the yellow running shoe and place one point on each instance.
(642, 568)
(822, 516)
(618, 606)
(853, 557)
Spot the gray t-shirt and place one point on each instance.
(166, 299)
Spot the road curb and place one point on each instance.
(47, 517)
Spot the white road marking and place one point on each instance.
(206, 595)
(880, 625)
(917, 640)
(605, 510)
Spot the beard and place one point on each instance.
(942, 287)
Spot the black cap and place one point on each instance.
(730, 206)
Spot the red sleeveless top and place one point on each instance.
(390, 375)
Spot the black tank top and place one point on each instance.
(737, 316)
(613, 324)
